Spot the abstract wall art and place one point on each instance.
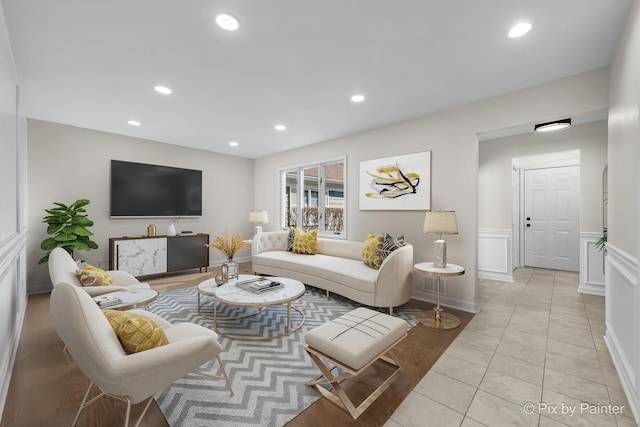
(396, 183)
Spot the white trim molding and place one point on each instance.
(591, 265)
(13, 289)
(495, 255)
(622, 319)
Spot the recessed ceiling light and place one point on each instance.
(280, 127)
(233, 144)
(520, 29)
(134, 122)
(227, 22)
(552, 126)
(163, 90)
(357, 98)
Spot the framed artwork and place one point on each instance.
(396, 183)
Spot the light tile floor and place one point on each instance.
(536, 343)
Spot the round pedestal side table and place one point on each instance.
(440, 319)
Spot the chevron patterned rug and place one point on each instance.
(268, 377)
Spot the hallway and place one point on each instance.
(535, 346)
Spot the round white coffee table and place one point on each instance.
(233, 296)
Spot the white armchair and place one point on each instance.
(95, 348)
(62, 268)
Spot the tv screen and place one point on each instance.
(142, 190)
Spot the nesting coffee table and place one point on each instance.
(233, 296)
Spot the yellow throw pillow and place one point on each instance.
(94, 276)
(305, 243)
(371, 250)
(136, 332)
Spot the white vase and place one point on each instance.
(172, 230)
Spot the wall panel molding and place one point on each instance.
(591, 265)
(622, 319)
(495, 254)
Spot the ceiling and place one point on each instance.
(94, 64)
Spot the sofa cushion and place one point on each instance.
(305, 242)
(94, 276)
(346, 272)
(390, 244)
(371, 250)
(136, 332)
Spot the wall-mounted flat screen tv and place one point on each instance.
(152, 191)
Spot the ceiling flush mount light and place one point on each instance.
(357, 98)
(552, 126)
(163, 90)
(280, 127)
(134, 122)
(227, 22)
(519, 30)
(233, 144)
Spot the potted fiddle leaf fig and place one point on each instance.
(69, 227)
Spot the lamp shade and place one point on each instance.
(440, 222)
(258, 217)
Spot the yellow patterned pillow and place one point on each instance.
(94, 276)
(305, 243)
(371, 250)
(135, 332)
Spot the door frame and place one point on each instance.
(522, 164)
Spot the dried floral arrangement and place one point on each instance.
(229, 245)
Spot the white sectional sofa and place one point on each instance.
(337, 267)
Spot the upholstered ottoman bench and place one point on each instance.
(353, 342)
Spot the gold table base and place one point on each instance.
(446, 321)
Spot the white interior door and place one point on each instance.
(551, 218)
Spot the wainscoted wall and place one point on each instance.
(495, 254)
(622, 311)
(13, 294)
(591, 265)
(12, 305)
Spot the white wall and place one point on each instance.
(622, 275)
(452, 137)
(496, 158)
(67, 163)
(587, 143)
(12, 214)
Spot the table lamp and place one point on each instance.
(258, 217)
(440, 222)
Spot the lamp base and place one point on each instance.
(257, 229)
(439, 254)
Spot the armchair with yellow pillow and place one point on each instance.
(130, 355)
(95, 281)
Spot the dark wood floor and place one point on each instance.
(47, 387)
